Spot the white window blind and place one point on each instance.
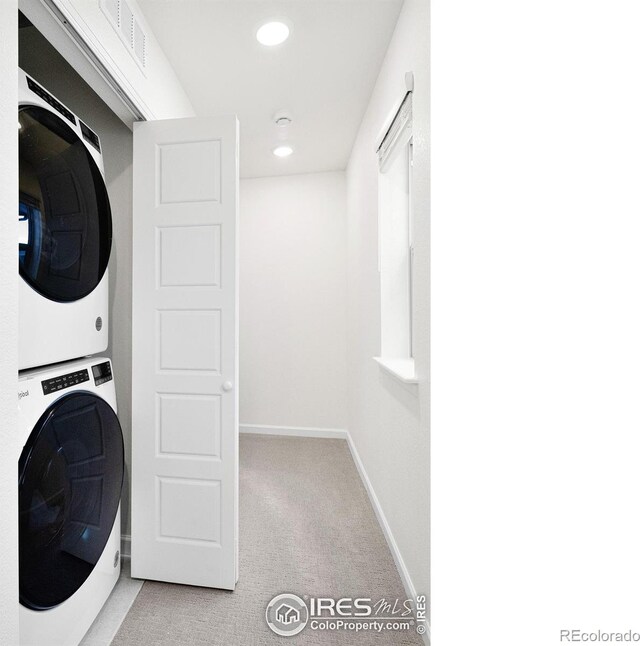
(398, 134)
(394, 240)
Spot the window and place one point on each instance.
(395, 260)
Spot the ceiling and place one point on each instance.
(322, 75)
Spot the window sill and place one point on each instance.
(403, 370)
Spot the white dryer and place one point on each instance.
(70, 479)
(64, 232)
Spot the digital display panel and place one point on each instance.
(101, 372)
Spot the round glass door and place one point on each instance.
(64, 218)
(70, 480)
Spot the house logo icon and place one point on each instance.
(287, 615)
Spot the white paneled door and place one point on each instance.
(184, 480)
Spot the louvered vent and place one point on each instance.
(126, 23)
(139, 43)
(128, 28)
(112, 9)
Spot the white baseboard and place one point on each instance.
(125, 546)
(295, 431)
(337, 433)
(409, 588)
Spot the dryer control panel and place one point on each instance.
(64, 381)
(102, 372)
(54, 103)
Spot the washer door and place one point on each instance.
(70, 480)
(64, 220)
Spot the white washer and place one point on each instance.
(70, 480)
(64, 232)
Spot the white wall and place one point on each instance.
(293, 301)
(46, 65)
(9, 438)
(389, 421)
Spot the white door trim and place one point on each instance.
(294, 431)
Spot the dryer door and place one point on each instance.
(70, 479)
(64, 238)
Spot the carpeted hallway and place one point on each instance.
(307, 527)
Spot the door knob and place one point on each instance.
(227, 386)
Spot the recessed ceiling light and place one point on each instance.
(282, 151)
(272, 33)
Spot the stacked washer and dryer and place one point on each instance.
(72, 465)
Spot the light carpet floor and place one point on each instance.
(307, 527)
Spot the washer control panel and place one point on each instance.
(102, 372)
(64, 381)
